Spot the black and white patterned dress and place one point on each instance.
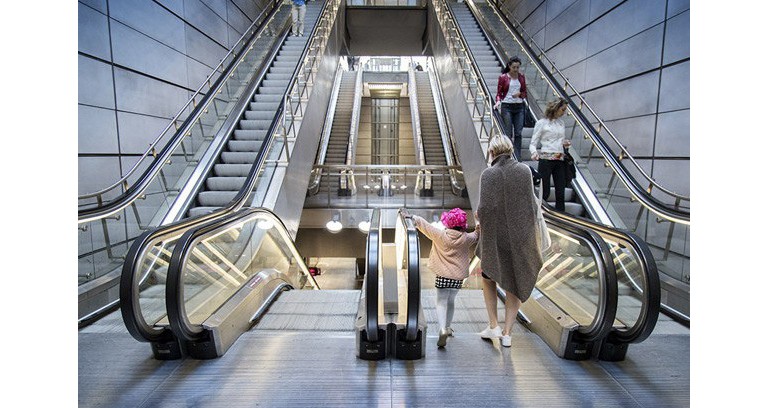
(443, 283)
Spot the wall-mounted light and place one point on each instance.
(334, 225)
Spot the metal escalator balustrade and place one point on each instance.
(274, 151)
(631, 199)
(224, 273)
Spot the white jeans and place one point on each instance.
(444, 305)
(297, 16)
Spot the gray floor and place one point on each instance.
(311, 362)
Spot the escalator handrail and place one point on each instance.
(642, 194)
(132, 316)
(651, 286)
(415, 118)
(413, 301)
(135, 191)
(174, 299)
(372, 254)
(602, 324)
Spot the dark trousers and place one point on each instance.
(556, 169)
(513, 116)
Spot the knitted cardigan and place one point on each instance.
(507, 211)
(450, 254)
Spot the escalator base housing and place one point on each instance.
(170, 350)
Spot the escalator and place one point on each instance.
(110, 219)
(606, 185)
(235, 159)
(148, 267)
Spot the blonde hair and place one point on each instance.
(500, 145)
(553, 106)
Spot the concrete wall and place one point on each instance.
(631, 61)
(139, 61)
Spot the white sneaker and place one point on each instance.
(450, 331)
(441, 339)
(506, 341)
(489, 333)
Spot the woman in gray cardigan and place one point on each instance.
(510, 254)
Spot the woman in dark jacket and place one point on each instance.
(510, 253)
(510, 101)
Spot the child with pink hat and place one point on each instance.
(449, 259)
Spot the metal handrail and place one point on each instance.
(642, 194)
(199, 109)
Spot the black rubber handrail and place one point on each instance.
(372, 255)
(607, 303)
(135, 191)
(414, 277)
(174, 298)
(129, 282)
(650, 287)
(644, 197)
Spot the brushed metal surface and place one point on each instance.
(311, 367)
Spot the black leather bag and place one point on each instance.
(570, 167)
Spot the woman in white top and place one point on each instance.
(549, 132)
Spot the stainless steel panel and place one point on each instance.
(576, 74)
(557, 8)
(140, 94)
(635, 133)
(535, 21)
(94, 173)
(523, 8)
(677, 41)
(96, 130)
(676, 88)
(197, 73)
(203, 18)
(625, 21)
(135, 50)
(92, 32)
(386, 31)
(673, 134)
(100, 5)
(237, 20)
(677, 6)
(176, 6)
(598, 7)
(94, 85)
(571, 51)
(673, 174)
(217, 6)
(633, 97)
(203, 48)
(633, 56)
(151, 19)
(249, 7)
(138, 131)
(566, 23)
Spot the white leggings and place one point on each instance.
(297, 17)
(444, 303)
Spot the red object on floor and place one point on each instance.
(314, 271)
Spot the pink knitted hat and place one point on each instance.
(454, 218)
